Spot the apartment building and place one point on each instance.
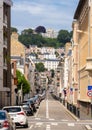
(59, 80)
(17, 52)
(82, 40)
(5, 65)
(22, 63)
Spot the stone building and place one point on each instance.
(82, 39)
(5, 64)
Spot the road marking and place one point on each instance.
(47, 109)
(31, 127)
(64, 120)
(51, 119)
(54, 123)
(37, 118)
(37, 112)
(70, 124)
(39, 123)
(88, 127)
(48, 127)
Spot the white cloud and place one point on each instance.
(49, 12)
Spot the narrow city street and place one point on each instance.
(52, 115)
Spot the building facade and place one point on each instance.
(83, 40)
(5, 65)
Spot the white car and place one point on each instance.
(18, 115)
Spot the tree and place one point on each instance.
(40, 29)
(40, 67)
(27, 37)
(64, 36)
(22, 82)
(27, 31)
(14, 29)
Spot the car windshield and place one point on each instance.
(13, 109)
(2, 115)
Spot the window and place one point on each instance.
(5, 78)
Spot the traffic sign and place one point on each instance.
(90, 87)
(89, 93)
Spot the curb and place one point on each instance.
(76, 118)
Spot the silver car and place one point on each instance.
(6, 122)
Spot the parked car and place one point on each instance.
(6, 123)
(31, 104)
(18, 115)
(28, 111)
(42, 96)
(36, 100)
(24, 102)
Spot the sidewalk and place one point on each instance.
(87, 126)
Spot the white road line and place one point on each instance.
(31, 127)
(51, 119)
(70, 124)
(47, 109)
(39, 123)
(64, 120)
(37, 112)
(54, 123)
(37, 118)
(48, 127)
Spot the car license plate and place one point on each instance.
(13, 115)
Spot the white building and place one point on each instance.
(49, 56)
(66, 73)
(51, 64)
(50, 50)
(50, 33)
(48, 63)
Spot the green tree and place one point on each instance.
(13, 29)
(27, 37)
(27, 31)
(64, 36)
(40, 67)
(22, 82)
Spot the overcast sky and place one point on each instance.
(55, 14)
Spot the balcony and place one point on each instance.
(89, 64)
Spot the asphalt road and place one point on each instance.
(52, 115)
